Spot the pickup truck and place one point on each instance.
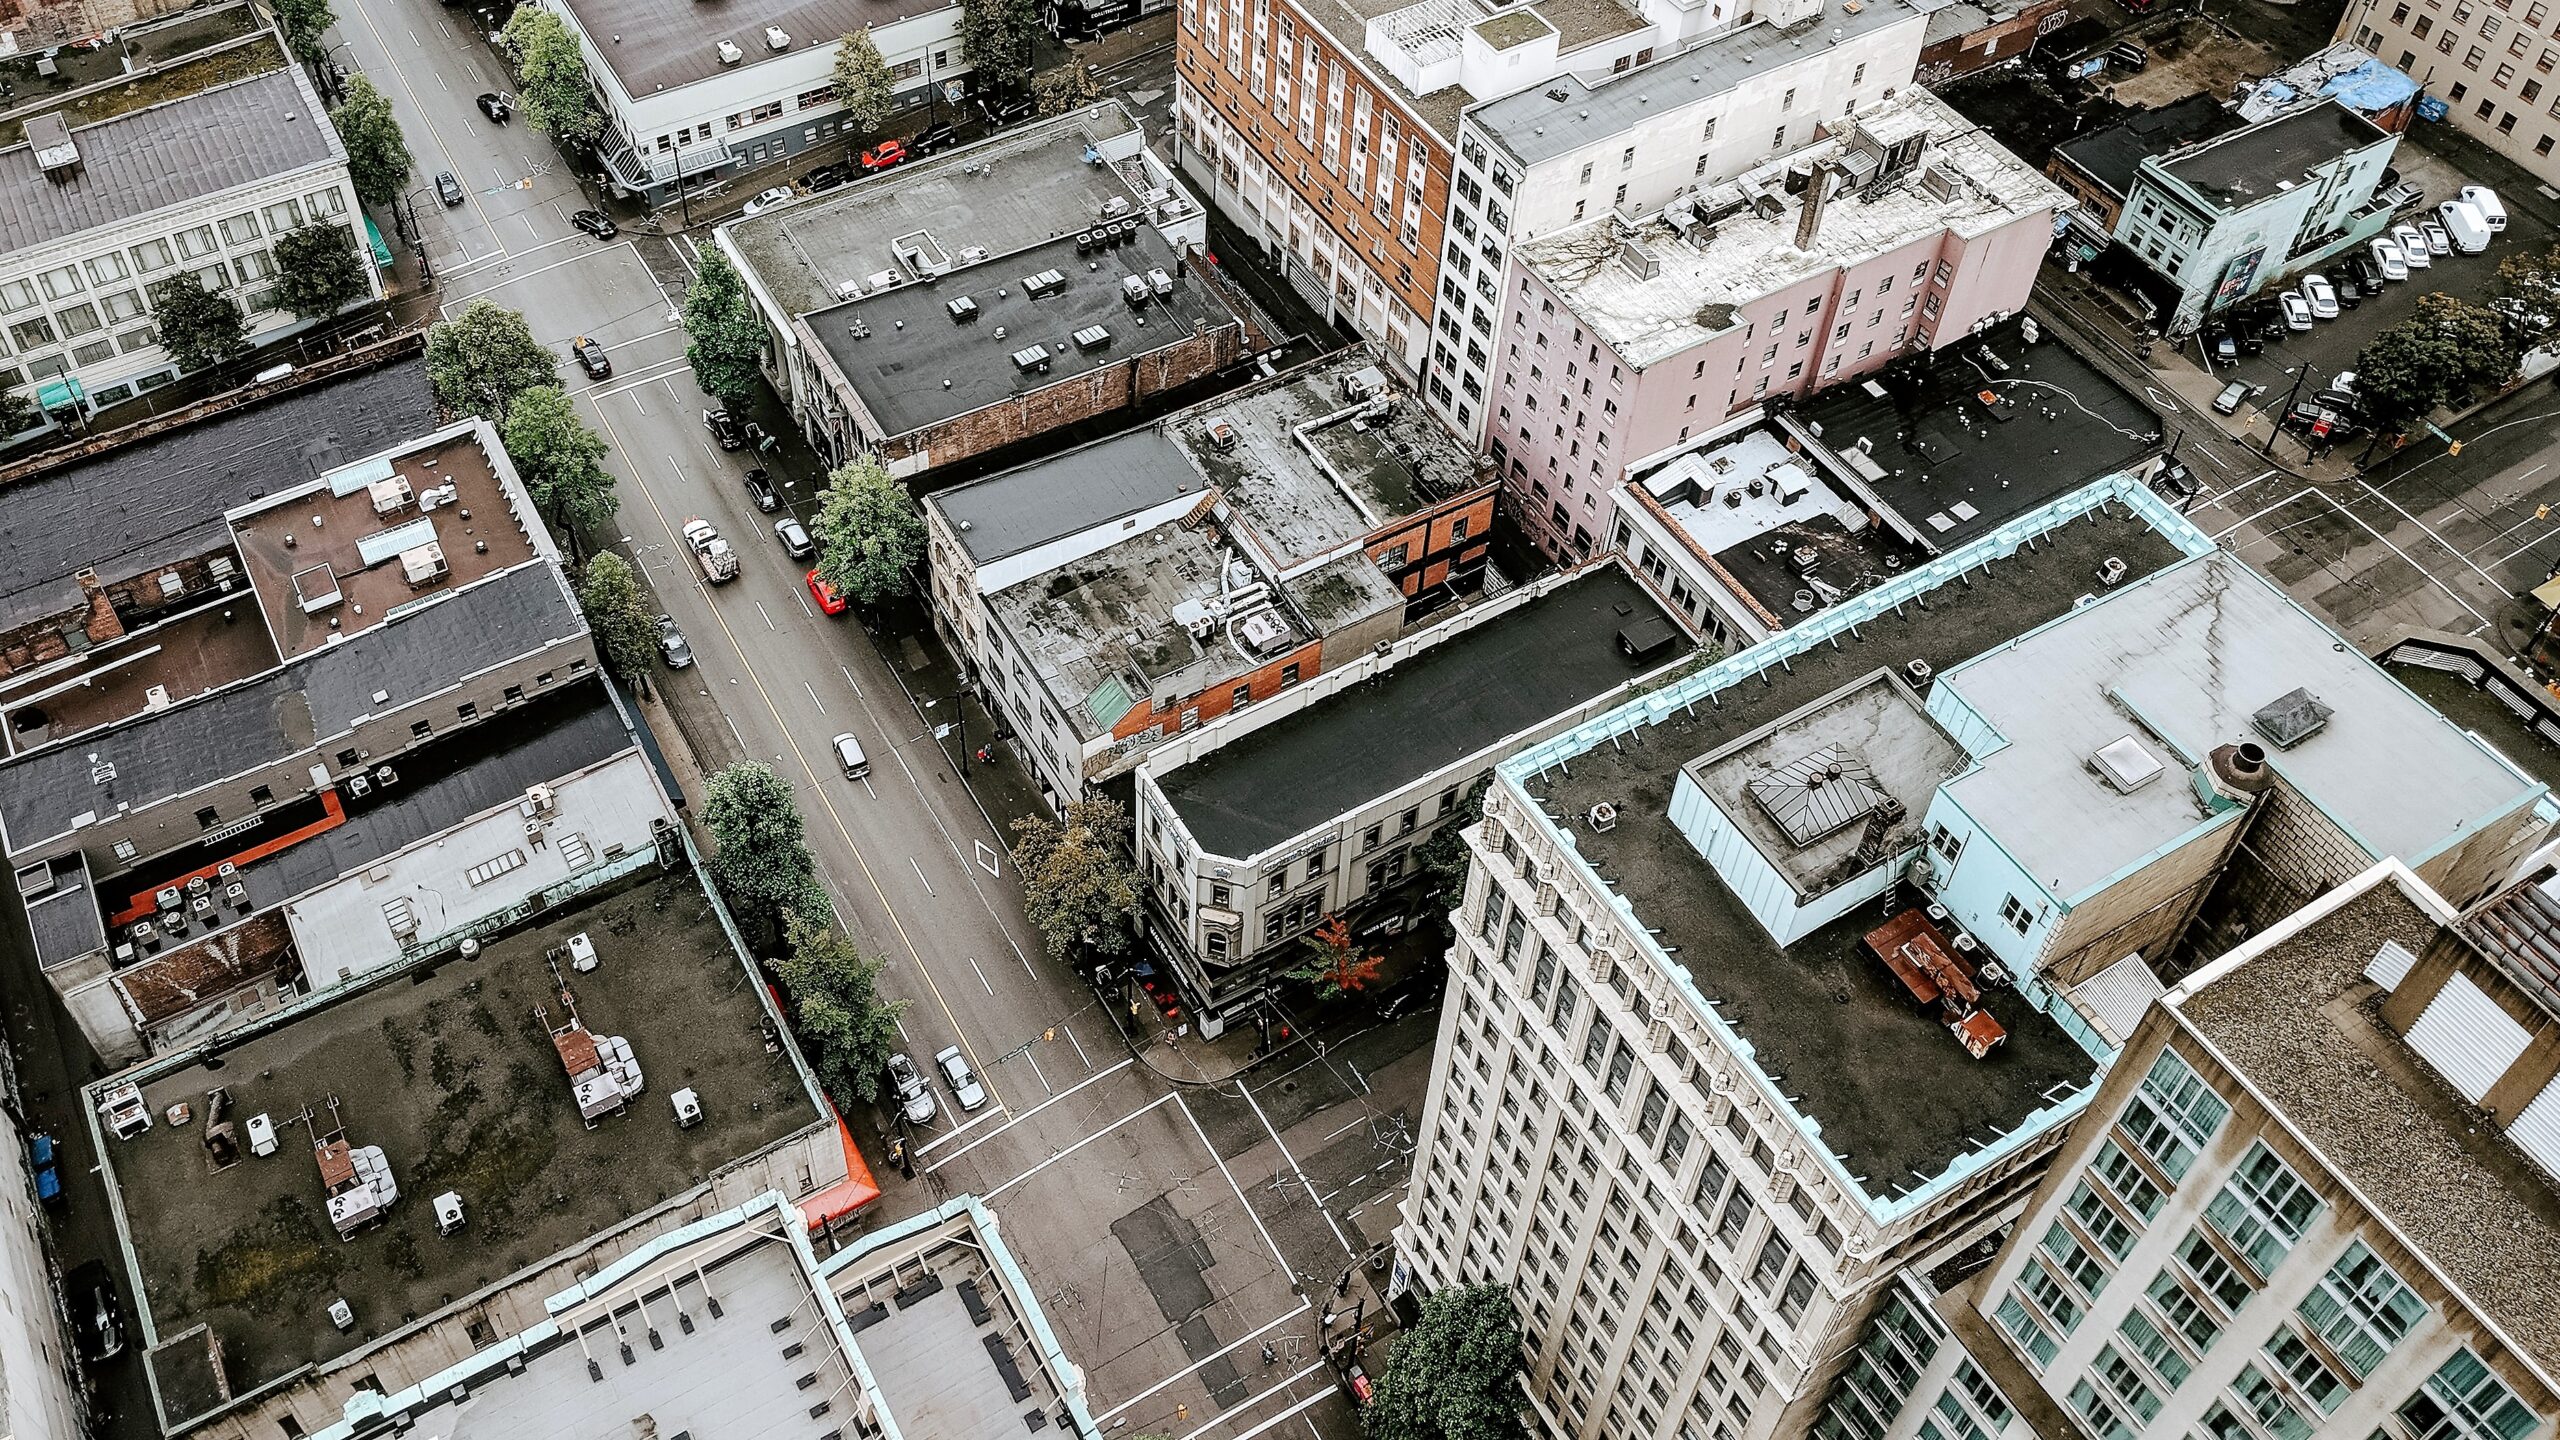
(719, 563)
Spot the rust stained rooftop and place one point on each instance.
(201, 650)
(361, 534)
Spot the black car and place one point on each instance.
(96, 1316)
(448, 189)
(760, 488)
(935, 137)
(2252, 341)
(494, 106)
(724, 428)
(824, 178)
(596, 223)
(1006, 112)
(591, 358)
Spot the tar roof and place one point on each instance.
(455, 1079)
(1782, 532)
(2194, 653)
(2249, 165)
(1068, 494)
(652, 46)
(149, 160)
(1854, 1067)
(173, 752)
(2113, 155)
(2297, 1018)
(161, 500)
(65, 922)
(1948, 468)
(914, 366)
(1471, 689)
(1019, 187)
(1566, 114)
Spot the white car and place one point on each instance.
(768, 199)
(2412, 246)
(2320, 296)
(2438, 241)
(915, 1101)
(2297, 311)
(2493, 211)
(963, 1082)
(2387, 255)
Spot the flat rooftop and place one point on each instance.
(455, 1079)
(2185, 660)
(160, 500)
(333, 560)
(1067, 494)
(191, 654)
(1579, 24)
(915, 366)
(2246, 166)
(2112, 155)
(1471, 687)
(1699, 277)
(2299, 1019)
(1314, 467)
(1947, 468)
(1770, 520)
(652, 47)
(1858, 1064)
(1018, 188)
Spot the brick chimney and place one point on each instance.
(104, 624)
(1817, 193)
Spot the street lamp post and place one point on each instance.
(2276, 425)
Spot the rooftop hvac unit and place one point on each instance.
(2111, 571)
(342, 1315)
(1031, 359)
(972, 254)
(145, 934)
(1160, 282)
(1604, 816)
(730, 54)
(425, 565)
(775, 38)
(582, 952)
(1092, 338)
(202, 908)
(688, 1108)
(1222, 436)
(225, 870)
(1133, 289)
(886, 280)
(168, 898)
(1115, 206)
(236, 895)
(963, 310)
(1917, 671)
(1364, 382)
(1047, 282)
(448, 1213)
(390, 495)
(359, 787)
(198, 885)
(1263, 631)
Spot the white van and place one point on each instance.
(849, 757)
(2464, 226)
(2485, 200)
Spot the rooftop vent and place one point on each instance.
(2290, 719)
(730, 54)
(51, 138)
(963, 310)
(1047, 282)
(1031, 359)
(2127, 764)
(1092, 338)
(775, 38)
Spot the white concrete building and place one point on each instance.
(92, 214)
(36, 1400)
(698, 94)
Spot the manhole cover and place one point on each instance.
(1288, 1087)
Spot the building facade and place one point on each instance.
(2490, 65)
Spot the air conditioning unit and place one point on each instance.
(775, 38)
(168, 898)
(582, 953)
(1603, 816)
(2111, 571)
(730, 54)
(391, 495)
(236, 895)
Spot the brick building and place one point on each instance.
(1964, 36)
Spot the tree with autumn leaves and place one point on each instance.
(1336, 963)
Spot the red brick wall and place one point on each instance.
(2006, 40)
(1430, 542)
(1220, 698)
(1113, 387)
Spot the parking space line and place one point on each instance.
(1025, 1115)
(1157, 1103)
(1036, 1070)
(1080, 1055)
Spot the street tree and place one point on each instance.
(1442, 859)
(762, 861)
(18, 414)
(377, 153)
(318, 270)
(1069, 87)
(2448, 347)
(848, 1027)
(197, 326)
(482, 359)
(560, 460)
(1077, 886)
(869, 533)
(1000, 37)
(617, 611)
(2525, 295)
(862, 82)
(1455, 1373)
(553, 75)
(724, 340)
(1334, 963)
(303, 23)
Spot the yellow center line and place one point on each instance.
(675, 537)
(399, 73)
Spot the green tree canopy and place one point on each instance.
(197, 327)
(553, 75)
(1066, 88)
(2449, 347)
(724, 340)
(1000, 38)
(303, 23)
(482, 359)
(846, 1025)
(1454, 1374)
(1077, 886)
(17, 413)
(862, 82)
(377, 154)
(763, 856)
(560, 460)
(618, 612)
(869, 533)
(319, 271)
(1442, 859)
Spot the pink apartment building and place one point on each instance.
(1904, 228)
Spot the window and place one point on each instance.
(2260, 1395)
(240, 230)
(2185, 1314)
(2031, 1336)
(2073, 1262)
(262, 796)
(2464, 1401)
(2263, 1209)
(282, 216)
(106, 269)
(195, 244)
(2360, 1309)
(2293, 1358)
(1243, 696)
(2100, 1219)
(2154, 1348)
(2126, 1180)
(421, 729)
(2014, 911)
(2173, 1115)
(2205, 1265)
(207, 817)
(2127, 1384)
(2050, 1296)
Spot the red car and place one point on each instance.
(884, 155)
(826, 596)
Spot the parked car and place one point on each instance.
(884, 155)
(760, 488)
(95, 1313)
(2297, 311)
(1006, 112)
(768, 199)
(795, 539)
(2223, 346)
(448, 189)
(724, 428)
(824, 178)
(915, 1099)
(2320, 296)
(494, 106)
(671, 644)
(2231, 398)
(596, 223)
(591, 358)
(935, 137)
(2465, 229)
(2367, 272)
(963, 1082)
(2404, 196)
(2439, 240)
(2386, 255)
(2493, 211)
(829, 599)
(2412, 244)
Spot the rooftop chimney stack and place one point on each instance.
(1817, 193)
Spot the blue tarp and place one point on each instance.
(2371, 88)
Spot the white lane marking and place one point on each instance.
(1246, 1339)
(1027, 1114)
(956, 1131)
(518, 279)
(1299, 1170)
(2367, 525)
(928, 889)
(1276, 1257)
(849, 680)
(982, 976)
(1283, 1418)
(867, 790)
(1036, 1070)
(813, 696)
(768, 619)
(805, 612)
(1089, 1139)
